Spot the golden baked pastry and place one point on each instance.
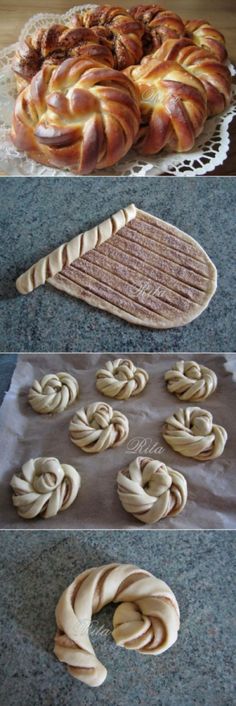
(214, 75)
(53, 393)
(150, 491)
(146, 619)
(173, 106)
(55, 44)
(124, 32)
(121, 379)
(192, 433)
(133, 265)
(159, 24)
(79, 116)
(204, 35)
(44, 487)
(190, 381)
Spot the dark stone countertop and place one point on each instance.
(39, 214)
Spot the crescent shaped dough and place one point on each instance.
(65, 254)
(121, 379)
(44, 487)
(150, 491)
(53, 393)
(146, 619)
(98, 427)
(191, 433)
(190, 381)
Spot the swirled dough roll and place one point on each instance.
(121, 379)
(191, 433)
(150, 491)
(98, 427)
(146, 619)
(53, 393)
(190, 381)
(44, 487)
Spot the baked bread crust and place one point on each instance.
(214, 75)
(160, 24)
(79, 116)
(173, 106)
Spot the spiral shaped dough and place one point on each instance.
(98, 427)
(150, 491)
(191, 433)
(190, 381)
(121, 379)
(54, 393)
(44, 487)
(146, 619)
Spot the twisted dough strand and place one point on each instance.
(66, 253)
(44, 487)
(190, 381)
(150, 491)
(191, 433)
(98, 427)
(121, 379)
(147, 619)
(53, 393)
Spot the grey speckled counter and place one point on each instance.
(39, 214)
(196, 671)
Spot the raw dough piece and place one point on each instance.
(147, 619)
(44, 487)
(121, 379)
(98, 427)
(190, 381)
(53, 393)
(191, 433)
(150, 491)
(148, 272)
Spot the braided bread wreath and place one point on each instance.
(190, 381)
(79, 115)
(98, 427)
(53, 393)
(150, 491)
(191, 433)
(121, 379)
(146, 619)
(82, 116)
(44, 487)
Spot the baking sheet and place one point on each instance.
(24, 434)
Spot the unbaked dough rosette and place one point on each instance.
(121, 379)
(98, 427)
(190, 381)
(191, 433)
(44, 487)
(146, 619)
(53, 393)
(150, 491)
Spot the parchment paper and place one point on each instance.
(25, 434)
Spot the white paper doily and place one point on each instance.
(210, 150)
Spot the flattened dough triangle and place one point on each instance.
(133, 265)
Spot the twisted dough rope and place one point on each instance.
(121, 379)
(53, 393)
(190, 381)
(44, 487)
(150, 491)
(147, 619)
(191, 433)
(98, 427)
(65, 254)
